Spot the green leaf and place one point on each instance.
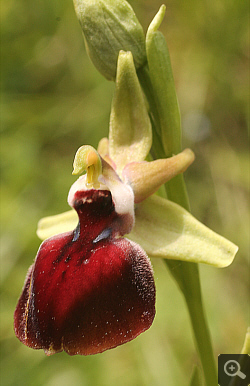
(164, 229)
(130, 135)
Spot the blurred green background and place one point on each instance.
(53, 101)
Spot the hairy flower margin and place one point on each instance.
(90, 288)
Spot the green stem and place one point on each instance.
(187, 277)
(185, 274)
(202, 338)
(147, 87)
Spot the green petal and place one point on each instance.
(130, 135)
(60, 223)
(164, 229)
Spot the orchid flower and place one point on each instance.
(91, 287)
(162, 228)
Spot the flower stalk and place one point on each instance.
(158, 83)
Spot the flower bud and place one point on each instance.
(108, 27)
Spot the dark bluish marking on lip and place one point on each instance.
(76, 233)
(103, 235)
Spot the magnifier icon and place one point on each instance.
(234, 368)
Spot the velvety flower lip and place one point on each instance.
(89, 290)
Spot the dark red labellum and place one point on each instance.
(89, 290)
